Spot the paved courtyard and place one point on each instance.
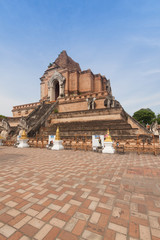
(69, 195)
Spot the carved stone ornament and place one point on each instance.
(6, 129)
(154, 128)
(5, 125)
(91, 103)
(23, 124)
(110, 102)
(56, 77)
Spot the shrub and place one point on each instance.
(55, 110)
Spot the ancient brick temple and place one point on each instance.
(64, 80)
(78, 102)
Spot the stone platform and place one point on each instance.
(70, 195)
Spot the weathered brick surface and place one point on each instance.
(78, 195)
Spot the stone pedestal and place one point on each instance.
(108, 148)
(57, 145)
(1, 144)
(23, 143)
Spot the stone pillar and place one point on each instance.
(77, 83)
(61, 90)
(49, 93)
(67, 85)
(108, 103)
(52, 96)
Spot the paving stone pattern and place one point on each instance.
(70, 195)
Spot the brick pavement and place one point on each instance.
(70, 195)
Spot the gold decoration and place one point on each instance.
(108, 137)
(57, 134)
(1, 137)
(24, 135)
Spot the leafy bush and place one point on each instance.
(55, 110)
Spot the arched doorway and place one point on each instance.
(56, 90)
(56, 86)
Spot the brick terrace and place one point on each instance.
(69, 195)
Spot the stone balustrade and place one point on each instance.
(29, 105)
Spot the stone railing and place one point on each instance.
(139, 145)
(29, 105)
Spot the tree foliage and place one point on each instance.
(145, 116)
(1, 116)
(158, 118)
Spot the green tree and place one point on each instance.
(144, 116)
(158, 118)
(1, 116)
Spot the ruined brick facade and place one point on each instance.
(75, 81)
(75, 89)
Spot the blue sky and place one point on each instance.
(119, 39)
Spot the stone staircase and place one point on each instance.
(118, 129)
(94, 122)
(37, 118)
(44, 121)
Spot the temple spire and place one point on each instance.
(64, 61)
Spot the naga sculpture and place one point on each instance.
(6, 128)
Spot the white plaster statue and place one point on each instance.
(108, 101)
(4, 134)
(108, 87)
(6, 129)
(91, 103)
(154, 128)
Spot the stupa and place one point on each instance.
(108, 144)
(57, 144)
(23, 141)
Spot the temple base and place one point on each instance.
(108, 148)
(23, 143)
(57, 145)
